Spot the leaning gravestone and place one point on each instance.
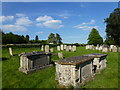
(51, 49)
(46, 48)
(58, 48)
(42, 48)
(11, 51)
(62, 48)
(60, 55)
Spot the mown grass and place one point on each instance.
(45, 78)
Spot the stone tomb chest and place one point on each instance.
(74, 71)
(79, 69)
(33, 61)
(99, 62)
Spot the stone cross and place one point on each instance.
(11, 51)
(60, 55)
(46, 48)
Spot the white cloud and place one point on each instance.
(25, 21)
(6, 18)
(54, 24)
(40, 32)
(20, 15)
(13, 28)
(86, 26)
(63, 16)
(44, 18)
(49, 22)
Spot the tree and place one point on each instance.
(58, 39)
(51, 38)
(27, 38)
(94, 37)
(113, 27)
(36, 37)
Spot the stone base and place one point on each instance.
(35, 69)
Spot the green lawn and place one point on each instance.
(12, 78)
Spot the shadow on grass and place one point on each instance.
(3, 59)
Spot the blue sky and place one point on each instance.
(73, 21)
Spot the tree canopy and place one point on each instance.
(94, 37)
(113, 27)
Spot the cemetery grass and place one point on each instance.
(45, 78)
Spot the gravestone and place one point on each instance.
(114, 49)
(51, 49)
(105, 49)
(67, 48)
(60, 55)
(58, 48)
(74, 48)
(46, 48)
(118, 49)
(62, 47)
(70, 47)
(42, 48)
(11, 51)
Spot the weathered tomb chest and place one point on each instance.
(99, 62)
(79, 69)
(33, 61)
(74, 71)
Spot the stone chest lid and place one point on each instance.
(75, 60)
(96, 55)
(35, 53)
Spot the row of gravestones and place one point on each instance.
(66, 48)
(104, 48)
(46, 48)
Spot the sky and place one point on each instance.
(72, 20)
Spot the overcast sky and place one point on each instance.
(73, 21)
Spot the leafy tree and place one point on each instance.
(94, 37)
(26, 38)
(36, 37)
(51, 38)
(113, 27)
(58, 39)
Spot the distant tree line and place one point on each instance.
(10, 38)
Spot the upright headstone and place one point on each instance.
(65, 47)
(114, 49)
(11, 51)
(42, 48)
(105, 49)
(118, 49)
(46, 48)
(74, 48)
(62, 48)
(51, 49)
(60, 55)
(58, 48)
(70, 47)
